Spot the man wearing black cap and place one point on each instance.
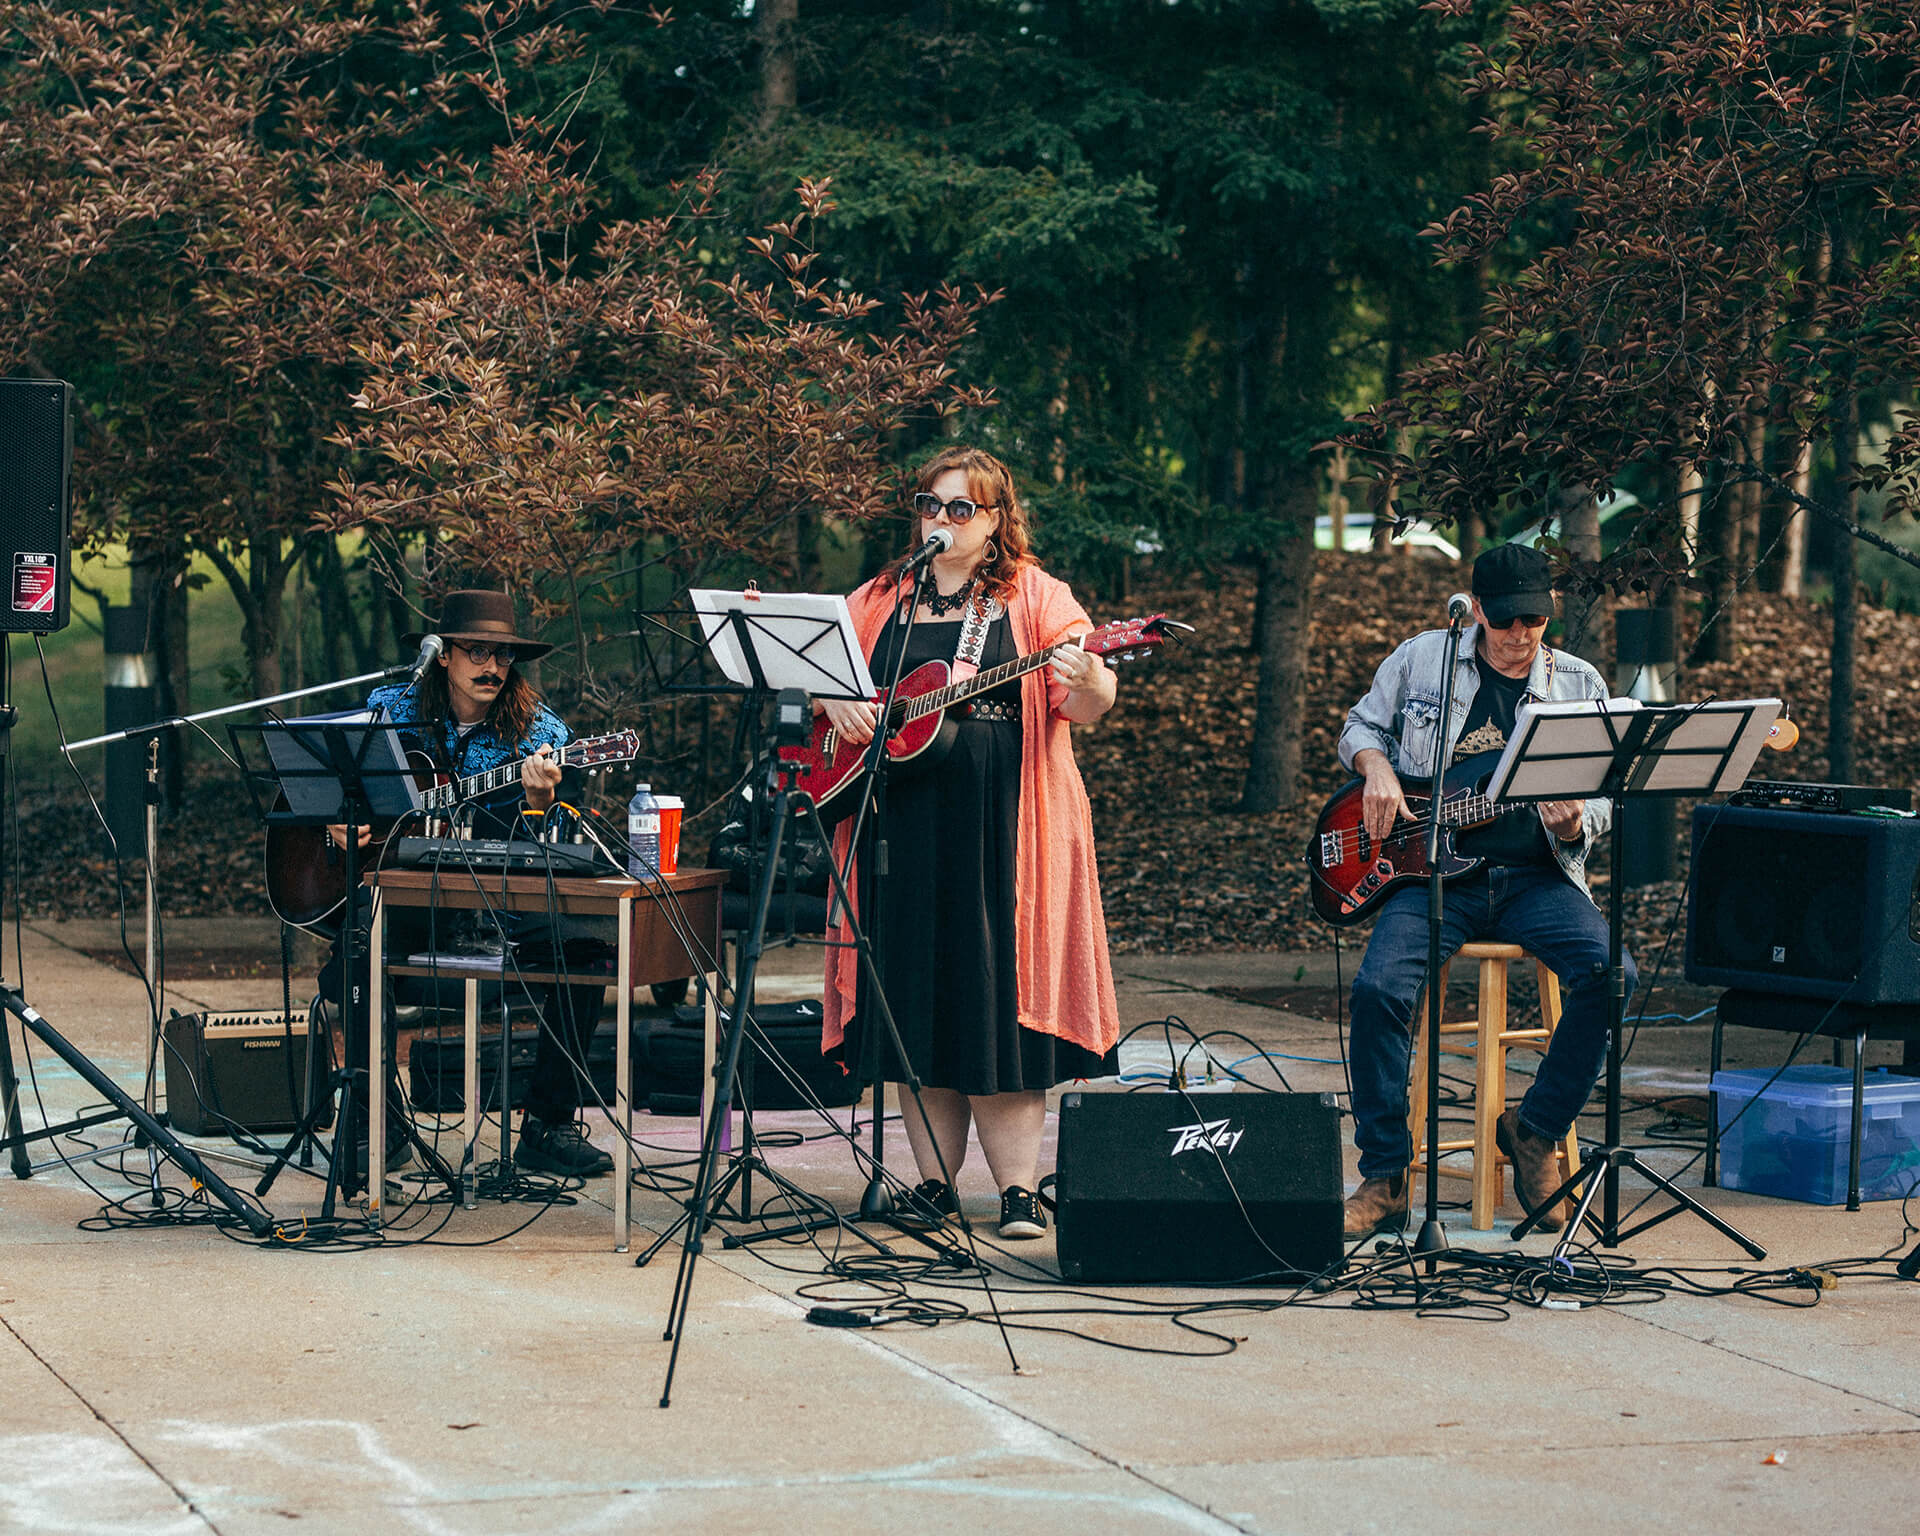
(474, 711)
(1531, 891)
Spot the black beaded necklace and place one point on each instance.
(939, 605)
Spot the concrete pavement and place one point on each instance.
(499, 1370)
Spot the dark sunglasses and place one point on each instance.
(959, 510)
(480, 655)
(1531, 620)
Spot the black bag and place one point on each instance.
(739, 847)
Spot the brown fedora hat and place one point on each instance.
(472, 614)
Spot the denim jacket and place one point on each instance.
(1400, 716)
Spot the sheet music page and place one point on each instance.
(802, 640)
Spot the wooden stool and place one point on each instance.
(1490, 1041)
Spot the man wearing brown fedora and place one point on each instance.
(472, 711)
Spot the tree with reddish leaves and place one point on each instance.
(1721, 212)
(340, 267)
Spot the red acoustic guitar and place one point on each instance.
(307, 879)
(918, 729)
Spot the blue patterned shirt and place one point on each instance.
(475, 751)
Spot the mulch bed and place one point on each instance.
(1182, 869)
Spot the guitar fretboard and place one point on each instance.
(445, 796)
(942, 698)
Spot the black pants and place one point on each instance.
(568, 1016)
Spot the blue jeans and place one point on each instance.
(1537, 908)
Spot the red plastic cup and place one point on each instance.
(671, 809)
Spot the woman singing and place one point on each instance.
(993, 946)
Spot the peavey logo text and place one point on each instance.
(1217, 1134)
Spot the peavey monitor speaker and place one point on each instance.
(1806, 904)
(1240, 1187)
(36, 507)
(235, 1069)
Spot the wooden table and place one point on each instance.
(650, 950)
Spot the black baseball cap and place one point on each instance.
(1511, 579)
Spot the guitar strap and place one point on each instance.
(973, 637)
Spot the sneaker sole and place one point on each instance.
(1023, 1230)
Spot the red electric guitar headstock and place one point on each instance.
(1130, 639)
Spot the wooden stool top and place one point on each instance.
(1479, 949)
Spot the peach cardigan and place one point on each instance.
(1065, 983)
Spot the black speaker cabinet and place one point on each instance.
(36, 512)
(1228, 1187)
(1805, 903)
(228, 1069)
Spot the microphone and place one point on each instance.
(430, 648)
(938, 543)
(1459, 607)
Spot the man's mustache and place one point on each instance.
(488, 677)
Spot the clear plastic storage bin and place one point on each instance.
(1793, 1142)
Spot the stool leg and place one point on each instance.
(1489, 1094)
(1417, 1085)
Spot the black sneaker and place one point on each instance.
(562, 1149)
(933, 1199)
(1020, 1213)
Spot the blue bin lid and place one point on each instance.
(1824, 1086)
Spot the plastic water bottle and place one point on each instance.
(643, 834)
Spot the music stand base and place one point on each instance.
(1608, 1163)
(1432, 1238)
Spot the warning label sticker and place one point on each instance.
(35, 583)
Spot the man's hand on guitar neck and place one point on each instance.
(1381, 802)
(539, 778)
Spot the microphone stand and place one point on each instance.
(876, 1202)
(1432, 1241)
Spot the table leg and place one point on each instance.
(623, 1080)
(471, 1120)
(374, 1105)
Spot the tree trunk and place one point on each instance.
(1284, 602)
(778, 74)
(1578, 514)
(1720, 559)
(1793, 543)
(1846, 437)
(1793, 566)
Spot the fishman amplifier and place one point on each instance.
(235, 1069)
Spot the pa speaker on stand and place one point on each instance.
(36, 505)
(1805, 903)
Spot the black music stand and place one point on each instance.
(1618, 750)
(770, 656)
(346, 770)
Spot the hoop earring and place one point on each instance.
(989, 552)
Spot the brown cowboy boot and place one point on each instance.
(1536, 1169)
(1378, 1205)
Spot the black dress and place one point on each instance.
(947, 945)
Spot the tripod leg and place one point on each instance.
(1627, 1159)
(256, 1221)
(15, 1133)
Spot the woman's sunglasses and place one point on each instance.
(959, 510)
